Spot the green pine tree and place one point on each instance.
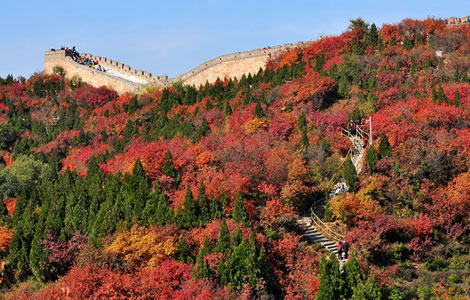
(385, 150)
(189, 217)
(183, 252)
(236, 266)
(371, 158)
(372, 37)
(350, 174)
(82, 138)
(223, 240)
(164, 214)
(413, 67)
(407, 43)
(441, 96)
(239, 213)
(217, 211)
(304, 138)
(168, 168)
(352, 275)
(368, 290)
(4, 216)
(380, 44)
(205, 249)
(149, 213)
(259, 110)
(80, 209)
(302, 122)
(137, 190)
(203, 204)
(203, 270)
(331, 283)
(236, 237)
(457, 101)
(433, 95)
(343, 85)
(209, 105)
(228, 109)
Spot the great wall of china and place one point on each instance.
(123, 78)
(453, 21)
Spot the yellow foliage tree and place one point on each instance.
(354, 208)
(252, 125)
(141, 246)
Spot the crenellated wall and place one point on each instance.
(96, 78)
(453, 21)
(232, 65)
(126, 69)
(123, 78)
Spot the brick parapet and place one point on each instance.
(231, 65)
(265, 52)
(454, 21)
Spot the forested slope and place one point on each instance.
(194, 192)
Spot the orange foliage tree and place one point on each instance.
(5, 239)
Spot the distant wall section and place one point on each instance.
(453, 21)
(232, 65)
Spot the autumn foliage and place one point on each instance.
(186, 192)
(142, 246)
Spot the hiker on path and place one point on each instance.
(340, 250)
(346, 249)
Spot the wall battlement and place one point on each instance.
(123, 78)
(126, 69)
(266, 53)
(453, 21)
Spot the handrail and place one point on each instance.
(363, 134)
(325, 230)
(321, 225)
(346, 132)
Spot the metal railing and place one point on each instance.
(359, 132)
(319, 224)
(325, 229)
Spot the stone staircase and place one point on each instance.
(315, 230)
(357, 153)
(316, 237)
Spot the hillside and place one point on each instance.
(188, 192)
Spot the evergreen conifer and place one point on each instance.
(301, 122)
(259, 110)
(189, 217)
(441, 96)
(350, 174)
(203, 204)
(433, 95)
(371, 158)
(217, 211)
(331, 282)
(223, 240)
(368, 290)
(183, 252)
(385, 150)
(457, 101)
(353, 276)
(239, 213)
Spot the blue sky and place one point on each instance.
(171, 37)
